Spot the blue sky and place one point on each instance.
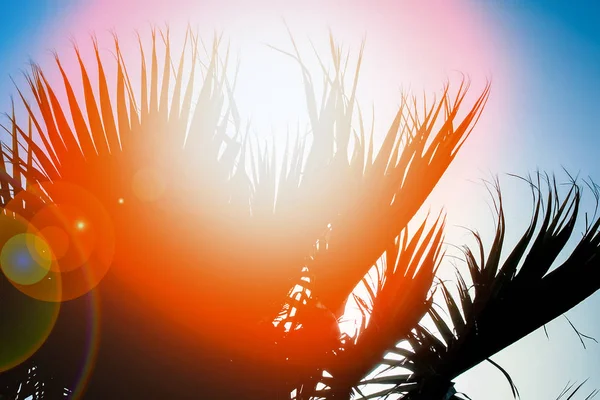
(553, 48)
(24, 24)
(559, 44)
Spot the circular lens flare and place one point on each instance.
(58, 239)
(25, 259)
(66, 227)
(79, 232)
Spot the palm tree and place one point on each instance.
(222, 266)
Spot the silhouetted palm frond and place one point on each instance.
(222, 264)
(299, 243)
(506, 301)
(571, 389)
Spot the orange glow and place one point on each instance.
(220, 229)
(58, 240)
(81, 248)
(148, 184)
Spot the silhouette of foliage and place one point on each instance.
(222, 265)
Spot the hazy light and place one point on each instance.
(149, 184)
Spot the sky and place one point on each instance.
(543, 58)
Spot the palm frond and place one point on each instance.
(304, 234)
(524, 288)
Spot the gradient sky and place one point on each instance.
(544, 60)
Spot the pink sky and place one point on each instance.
(410, 43)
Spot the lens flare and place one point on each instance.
(25, 259)
(26, 322)
(79, 232)
(65, 227)
(58, 239)
(88, 362)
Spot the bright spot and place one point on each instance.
(121, 200)
(80, 225)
